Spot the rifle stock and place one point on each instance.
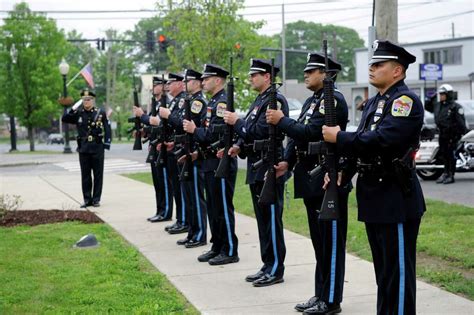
(153, 135)
(330, 205)
(162, 157)
(137, 145)
(187, 170)
(223, 170)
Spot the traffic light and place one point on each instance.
(98, 43)
(150, 42)
(103, 44)
(163, 42)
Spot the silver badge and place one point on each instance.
(375, 45)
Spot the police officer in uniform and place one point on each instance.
(449, 117)
(389, 195)
(269, 218)
(175, 87)
(161, 180)
(94, 136)
(197, 233)
(329, 251)
(219, 192)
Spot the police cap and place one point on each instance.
(385, 50)
(317, 61)
(157, 81)
(87, 92)
(172, 77)
(261, 66)
(211, 70)
(191, 74)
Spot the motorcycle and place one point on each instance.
(429, 163)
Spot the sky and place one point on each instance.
(419, 20)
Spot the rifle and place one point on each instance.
(152, 134)
(330, 205)
(137, 145)
(187, 170)
(223, 170)
(269, 149)
(163, 130)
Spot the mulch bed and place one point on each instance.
(36, 217)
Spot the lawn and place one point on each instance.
(445, 245)
(42, 273)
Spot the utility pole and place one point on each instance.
(334, 45)
(386, 19)
(452, 30)
(283, 48)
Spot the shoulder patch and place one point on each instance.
(196, 107)
(220, 109)
(401, 107)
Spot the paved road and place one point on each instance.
(461, 192)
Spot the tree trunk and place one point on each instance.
(31, 138)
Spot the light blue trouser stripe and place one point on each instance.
(183, 207)
(333, 261)
(401, 262)
(275, 253)
(227, 222)
(198, 205)
(167, 202)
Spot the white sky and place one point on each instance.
(419, 20)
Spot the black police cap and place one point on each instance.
(385, 50)
(211, 70)
(191, 74)
(172, 77)
(317, 61)
(87, 92)
(261, 66)
(157, 81)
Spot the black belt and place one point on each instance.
(90, 138)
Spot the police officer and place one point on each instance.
(94, 136)
(449, 117)
(175, 87)
(219, 192)
(197, 233)
(161, 180)
(329, 251)
(389, 196)
(269, 218)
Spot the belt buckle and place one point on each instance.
(89, 138)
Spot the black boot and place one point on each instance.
(442, 178)
(449, 179)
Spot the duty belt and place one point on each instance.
(374, 169)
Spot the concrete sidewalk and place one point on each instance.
(217, 289)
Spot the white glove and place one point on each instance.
(77, 104)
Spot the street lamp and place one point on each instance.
(64, 69)
(13, 55)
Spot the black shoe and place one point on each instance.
(300, 307)
(157, 218)
(182, 241)
(252, 278)
(172, 226)
(86, 204)
(448, 180)
(223, 259)
(207, 256)
(267, 280)
(152, 218)
(178, 230)
(322, 307)
(96, 204)
(194, 243)
(441, 179)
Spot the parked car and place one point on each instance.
(468, 106)
(55, 138)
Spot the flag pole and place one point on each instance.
(74, 77)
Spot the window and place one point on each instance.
(446, 56)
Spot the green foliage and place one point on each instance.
(31, 79)
(46, 275)
(207, 32)
(309, 36)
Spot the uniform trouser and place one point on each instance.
(220, 209)
(163, 191)
(270, 230)
(393, 248)
(92, 162)
(173, 173)
(197, 219)
(187, 199)
(447, 147)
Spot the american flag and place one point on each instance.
(86, 72)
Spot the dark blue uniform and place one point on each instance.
(269, 219)
(328, 237)
(219, 192)
(94, 135)
(389, 127)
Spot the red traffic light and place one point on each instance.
(162, 38)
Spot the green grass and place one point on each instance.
(445, 245)
(40, 273)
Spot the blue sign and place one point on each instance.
(431, 71)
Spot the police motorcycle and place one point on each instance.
(429, 164)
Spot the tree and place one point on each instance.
(210, 31)
(309, 36)
(34, 82)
